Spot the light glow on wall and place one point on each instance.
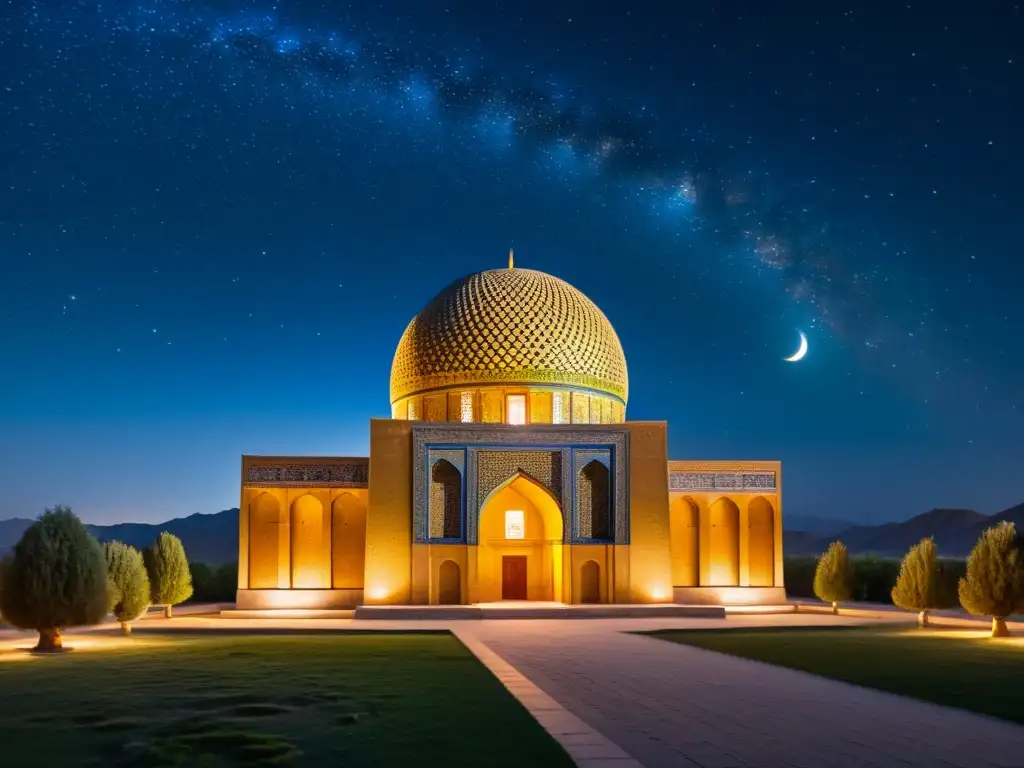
(378, 593)
(517, 409)
(515, 524)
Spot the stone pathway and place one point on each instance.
(666, 704)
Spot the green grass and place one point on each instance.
(202, 701)
(950, 667)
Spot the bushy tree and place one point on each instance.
(170, 580)
(55, 578)
(833, 578)
(917, 585)
(127, 583)
(994, 584)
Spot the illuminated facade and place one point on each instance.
(508, 472)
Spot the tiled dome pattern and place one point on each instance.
(509, 326)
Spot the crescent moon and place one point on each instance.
(799, 354)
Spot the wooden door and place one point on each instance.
(513, 577)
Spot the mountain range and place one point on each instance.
(955, 532)
(213, 538)
(210, 539)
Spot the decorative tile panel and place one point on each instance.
(430, 524)
(742, 482)
(584, 457)
(585, 506)
(445, 507)
(552, 440)
(454, 456)
(349, 474)
(495, 467)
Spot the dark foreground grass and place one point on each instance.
(949, 667)
(288, 700)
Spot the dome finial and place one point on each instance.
(511, 259)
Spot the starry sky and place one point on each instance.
(216, 219)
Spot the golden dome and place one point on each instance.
(509, 326)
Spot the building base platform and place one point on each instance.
(534, 610)
(286, 613)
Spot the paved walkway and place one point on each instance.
(667, 704)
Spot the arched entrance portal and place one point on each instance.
(519, 544)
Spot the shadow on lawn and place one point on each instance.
(209, 729)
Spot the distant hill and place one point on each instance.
(821, 526)
(210, 539)
(955, 532)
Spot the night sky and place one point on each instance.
(217, 218)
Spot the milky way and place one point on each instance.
(620, 154)
(681, 174)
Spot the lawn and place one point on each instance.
(205, 701)
(951, 667)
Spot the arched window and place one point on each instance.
(761, 542)
(594, 502)
(724, 543)
(310, 548)
(445, 501)
(264, 542)
(684, 521)
(348, 531)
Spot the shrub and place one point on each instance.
(833, 579)
(994, 584)
(169, 578)
(214, 586)
(916, 587)
(202, 583)
(127, 583)
(873, 578)
(798, 575)
(947, 579)
(226, 582)
(55, 578)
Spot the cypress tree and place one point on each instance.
(994, 584)
(170, 580)
(916, 587)
(55, 578)
(833, 578)
(127, 583)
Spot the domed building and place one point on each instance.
(508, 472)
